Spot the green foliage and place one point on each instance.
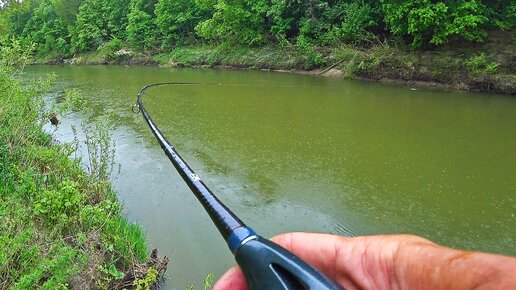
(73, 101)
(208, 281)
(14, 18)
(508, 20)
(99, 21)
(502, 14)
(112, 272)
(27, 259)
(47, 30)
(109, 49)
(65, 27)
(126, 239)
(67, 10)
(26, 265)
(286, 15)
(13, 55)
(117, 18)
(141, 29)
(236, 22)
(176, 20)
(349, 22)
(479, 65)
(100, 148)
(53, 216)
(54, 272)
(60, 205)
(309, 53)
(435, 22)
(90, 30)
(150, 279)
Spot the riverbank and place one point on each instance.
(60, 227)
(484, 67)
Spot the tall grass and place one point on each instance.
(57, 222)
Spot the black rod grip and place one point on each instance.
(267, 265)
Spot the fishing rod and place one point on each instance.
(266, 265)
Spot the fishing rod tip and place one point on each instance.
(135, 108)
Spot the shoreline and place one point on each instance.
(482, 84)
(488, 67)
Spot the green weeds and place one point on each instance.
(149, 280)
(101, 152)
(479, 65)
(207, 283)
(57, 221)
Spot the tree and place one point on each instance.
(141, 29)
(236, 21)
(427, 21)
(47, 30)
(67, 10)
(349, 21)
(287, 17)
(117, 16)
(15, 15)
(98, 22)
(176, 19)
(502, 14)
(91, 28)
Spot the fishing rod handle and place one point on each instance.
(267, 265)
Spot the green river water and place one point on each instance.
(293, 152)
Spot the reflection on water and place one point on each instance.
(300, 153)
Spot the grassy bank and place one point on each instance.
(486, 67)
(60, 227)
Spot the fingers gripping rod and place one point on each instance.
(265, 264)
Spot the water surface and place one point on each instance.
(302, 153)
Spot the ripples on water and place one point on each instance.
(300, 153)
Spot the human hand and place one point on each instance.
(390, 262)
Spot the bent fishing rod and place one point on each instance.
(266, 265)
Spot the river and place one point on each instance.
(290, 152)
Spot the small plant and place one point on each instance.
(109, 49)
(73, 101)
(307, 51)
(59, 205)
(101, 151)
(208, 281)
(479, 65)
(112, 272)
(150, 279)
(14, 54)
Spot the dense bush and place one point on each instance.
(236, 21)
(141, 29)
(426, 21)
(90, 30)
(176, 20)
(350, 22)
